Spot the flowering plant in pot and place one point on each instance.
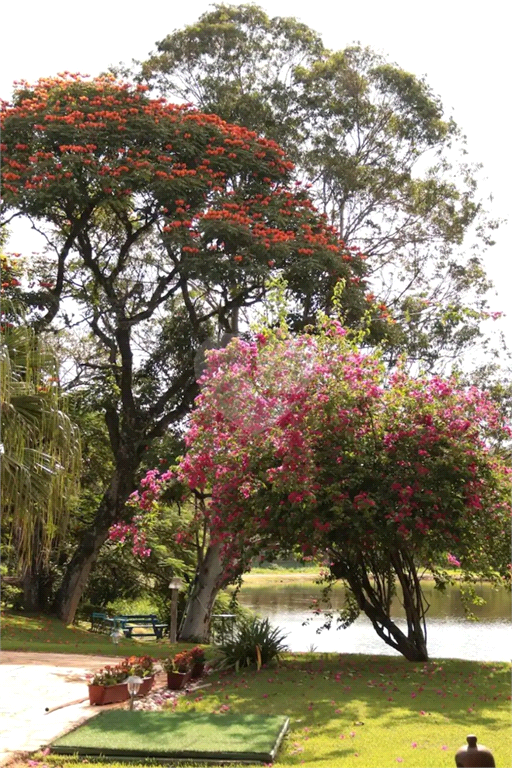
(198, 661)
(107, 686)
(178, 669)
(109, 675)
(140, 666)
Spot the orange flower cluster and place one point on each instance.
(186, 162)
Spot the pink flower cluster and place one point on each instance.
(300, 441)
(122, 531)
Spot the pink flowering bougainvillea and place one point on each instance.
(309, 443)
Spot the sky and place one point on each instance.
(462, 49)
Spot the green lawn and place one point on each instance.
(371, 712)
(284, 570)
(344, 710)
(48, 635)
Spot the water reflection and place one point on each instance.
(450, 634)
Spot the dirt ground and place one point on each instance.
(90, 663)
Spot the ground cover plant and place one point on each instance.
(365, 711)
(49, 635)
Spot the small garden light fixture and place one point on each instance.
(116, 635)
(134, 684)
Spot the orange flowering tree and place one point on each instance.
(163, 224)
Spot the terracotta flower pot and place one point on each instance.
(197, 670)
(146, 685)
(108, 694)
(176, 680)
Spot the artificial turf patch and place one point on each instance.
(185, 735)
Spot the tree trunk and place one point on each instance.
(368, 585)
(36, 580)
(413, 647)
(34, 598)
(196, 627)
(208, 581)
(110, 510)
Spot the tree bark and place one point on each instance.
(366, 585)
(196, 626)
(110, 510)
(35, 597)
(36, 579)
(413, 647)
(210, 569)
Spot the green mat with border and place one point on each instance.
(184, 735)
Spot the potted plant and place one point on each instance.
(178, 670)
(198, 662)
(141, 666)
(107, 686)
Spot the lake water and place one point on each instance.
(449, 633)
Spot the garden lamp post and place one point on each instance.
(174, 586)
(134, 684)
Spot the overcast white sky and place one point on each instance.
(462, 48)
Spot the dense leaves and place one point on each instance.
(162, 224)
(306, 442)
(254, 643)
(387, 165)
(40, 444)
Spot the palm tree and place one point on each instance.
(40, 453)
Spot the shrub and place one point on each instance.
(254, 642)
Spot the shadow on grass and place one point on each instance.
(46, 634)
(338, 702)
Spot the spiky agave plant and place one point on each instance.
(254, 643)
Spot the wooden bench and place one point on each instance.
(100, 622)
(141, 621)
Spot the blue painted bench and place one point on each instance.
(129, 623)
(100, 622)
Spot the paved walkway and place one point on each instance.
(32, 682)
